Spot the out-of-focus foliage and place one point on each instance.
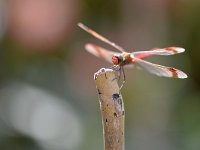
(47, 94)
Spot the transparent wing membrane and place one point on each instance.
(161, 51)
(100, 37)
(160, 70)
(100, 52)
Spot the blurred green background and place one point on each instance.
(48, 99)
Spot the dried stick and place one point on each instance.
(112, 109)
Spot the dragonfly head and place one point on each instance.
(117, 59)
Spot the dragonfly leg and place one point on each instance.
(124, 77)
(117, 68)
(121, 75)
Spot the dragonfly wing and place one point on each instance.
(100, 37)
(160, 51)
(161, 70)
(100, 52)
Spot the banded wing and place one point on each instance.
(100, 37)
(161, 70)
(159, 51)
(100, 52)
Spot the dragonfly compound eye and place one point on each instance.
(116, 60)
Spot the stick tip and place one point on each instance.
(102, 71)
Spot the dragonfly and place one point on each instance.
(123, 58)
